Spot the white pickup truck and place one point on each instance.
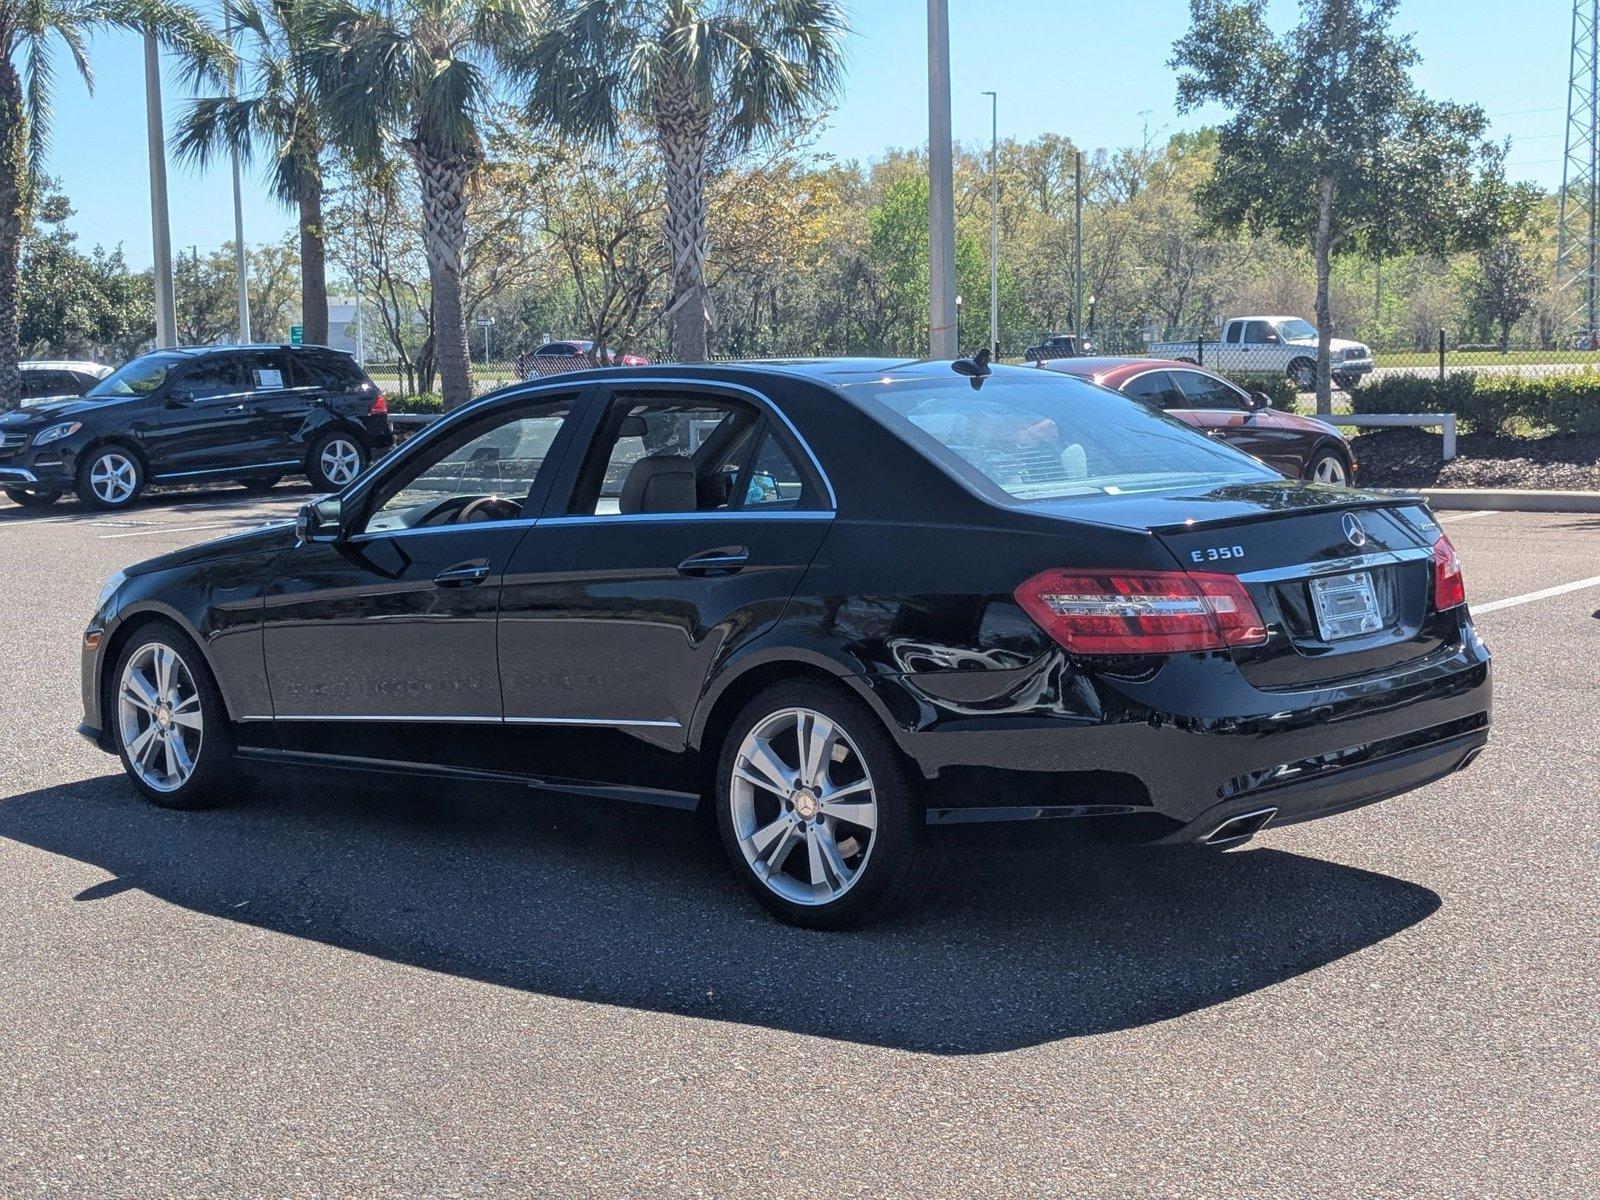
(1273, 346)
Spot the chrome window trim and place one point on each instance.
(1337, 566)
(733, 514)
(448, 719)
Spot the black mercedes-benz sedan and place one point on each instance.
(836, 601)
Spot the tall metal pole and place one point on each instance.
(1594, 167)
(160, 227)
(1077, 244)
(943, 336)
(994, 223)
(240, 263)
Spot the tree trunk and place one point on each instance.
(685, 136)
(444, 232)
(1321, 249)
(13, 185)
(313, 270)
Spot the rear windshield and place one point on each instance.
(1041, 436)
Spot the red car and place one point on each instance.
(1300, 447)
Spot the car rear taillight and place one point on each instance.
(1449, 588)
(380, 406)
(1142, 612)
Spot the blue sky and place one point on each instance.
(1095, 71)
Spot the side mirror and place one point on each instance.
(1260, 400)
(318, 521)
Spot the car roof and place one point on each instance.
(1107, 366)
(198, 351)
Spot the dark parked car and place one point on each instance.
(838, 601)
(1058, 345)
(555, 357)
(1300, 447)
(251, 413)
(41, 378)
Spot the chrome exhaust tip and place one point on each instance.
(1240, 828)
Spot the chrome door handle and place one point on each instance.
(465, 575)
(724, 560)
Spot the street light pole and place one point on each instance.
(994, 223)
(942, 331)
(160, 226)
(1077, 245)
(240, 263)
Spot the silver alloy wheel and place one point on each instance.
(113, 476)
(159, 717)
(340, 461)
(1329, 469)
(798, 780)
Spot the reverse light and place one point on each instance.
(1142, 612)
(1449, 588)
(380, 406)
(56, 432)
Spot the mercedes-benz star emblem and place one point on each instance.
(1353, 532)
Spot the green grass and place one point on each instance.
(1461, 359)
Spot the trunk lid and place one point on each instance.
(1342, 578)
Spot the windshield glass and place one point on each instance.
(137, 378)
(1040, 435)
(1297, 330)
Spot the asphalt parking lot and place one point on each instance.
(333, 990)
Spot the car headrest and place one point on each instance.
(661, 483)
(633, 427)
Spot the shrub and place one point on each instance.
(1277, 388)
(422, 402)
(1490, 402)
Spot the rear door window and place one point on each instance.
(266, 371)
(1156, 389)
(1206, 391)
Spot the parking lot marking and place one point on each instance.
(1543, 594)
(106, 537)
(1452, 518)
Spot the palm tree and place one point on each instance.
(706, 76)
(274, 113)
(421, 76)
(29, 30)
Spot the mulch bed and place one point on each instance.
(1411, 458)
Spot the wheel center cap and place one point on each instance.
(164, 716)
(805, 804)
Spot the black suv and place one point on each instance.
(251, 413)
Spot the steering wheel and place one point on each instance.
(489, 508)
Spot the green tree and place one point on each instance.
(274, 117)
(1330, 144)
(77, 305)
(421, 77)
(29, 30)
(708, 77)
(1504, 286)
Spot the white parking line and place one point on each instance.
(107, 537)
(1452, 518)
(1543, 594)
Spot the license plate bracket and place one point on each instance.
(1346, 605)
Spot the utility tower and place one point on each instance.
(1578, 248)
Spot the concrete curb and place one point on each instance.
(1502, 499)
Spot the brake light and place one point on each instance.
(1142, 612)
(1449, 588)
(380, 406)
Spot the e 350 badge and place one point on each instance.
(1216, 553)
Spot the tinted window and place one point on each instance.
(633, 469)
(1156, 389)
(562, 349)
(774, 478)
(219, 375)
(331, 372)
(1259, 331)
(139, 377)
(1052, 436)
(1204, 391)
(266, 371)
(49, 383)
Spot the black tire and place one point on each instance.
(33, 497)
(317, 468)
(95, 465)
(1328, 455)
(896, 860)
(1302, 373)
(212, 780)
(262, 483)
(1348, 381)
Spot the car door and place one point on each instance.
(677, 536)
(281, 400)
(200, 424)
(1226, 412)
(392, 622)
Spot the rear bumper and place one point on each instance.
(1351, 366)
(1193, 744)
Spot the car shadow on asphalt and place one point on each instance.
(208, 500)
(632, 906)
